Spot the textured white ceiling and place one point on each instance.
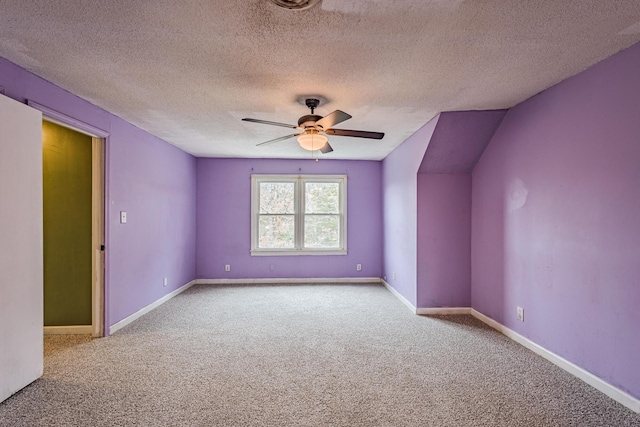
(188, 71)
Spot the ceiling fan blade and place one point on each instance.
(266, 122)
(326, 148)
(333, 119)
(282, 138)
(355, 133)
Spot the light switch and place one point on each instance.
(123, 217)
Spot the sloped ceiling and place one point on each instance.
(189, 71)
(459, 140)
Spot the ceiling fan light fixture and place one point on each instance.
(312, 141)
(311, 125)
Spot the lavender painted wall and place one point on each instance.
(145, 176)
(444, 240)
(155, 183)
(224, 220)
(555, 224)
(400, 210)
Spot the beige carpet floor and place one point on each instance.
(302, 355)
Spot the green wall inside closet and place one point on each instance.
(67, 226)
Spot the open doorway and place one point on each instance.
(73, 222)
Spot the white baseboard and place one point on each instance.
(444, 310)
(432, 310)
(613, 392)
(68, 330)
(124, 322)
(287, 281)
(399, 296)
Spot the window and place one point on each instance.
(298, 215)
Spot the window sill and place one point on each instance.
(306, 252)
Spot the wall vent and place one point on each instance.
(295, 4)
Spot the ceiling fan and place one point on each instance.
(314, 128)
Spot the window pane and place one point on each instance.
(322, 197)
(276, 197)
(322, 231)
(276, 231)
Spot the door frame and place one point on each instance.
(97, 236)
(98, 211)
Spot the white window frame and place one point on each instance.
(299, 182)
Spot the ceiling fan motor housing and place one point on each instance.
(308, 120)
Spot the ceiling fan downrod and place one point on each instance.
(312, 103)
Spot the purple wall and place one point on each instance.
(224, 220)
(400, 210)
(145, 176)
(155, 184)
(444, 240)
(555, 221)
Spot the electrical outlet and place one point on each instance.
(227, 267)
(164, 282)
(521, 314)
(123, 217)
(394, 275)
(358, 267)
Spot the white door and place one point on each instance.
(21, 305)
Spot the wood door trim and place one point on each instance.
(98, 194)
(97, 236)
